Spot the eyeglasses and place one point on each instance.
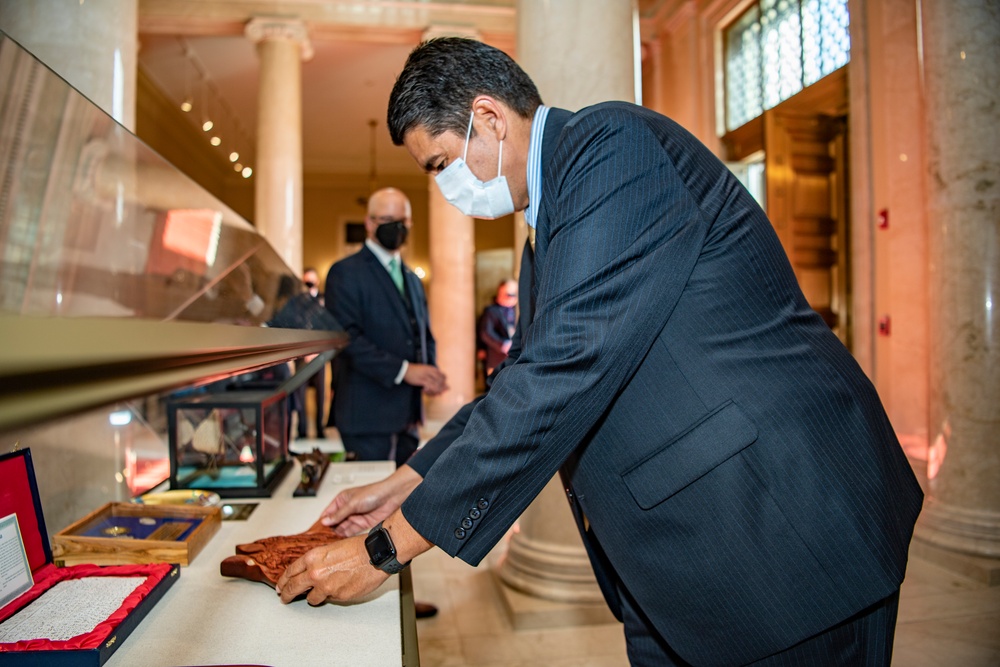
(385, 220)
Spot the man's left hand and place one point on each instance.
(337, 572)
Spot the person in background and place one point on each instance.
(495, 328)
(381, 376)
(310, 279)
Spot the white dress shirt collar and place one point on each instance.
(535, 166)
(383, 255)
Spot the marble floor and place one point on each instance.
(944, 620)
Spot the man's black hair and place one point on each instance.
(441, 78)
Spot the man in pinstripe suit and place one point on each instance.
(735, 478)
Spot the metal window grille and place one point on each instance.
(778, 47)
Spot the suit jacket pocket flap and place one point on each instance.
(692, 454)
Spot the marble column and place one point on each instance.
(555, 46)
(961, 57)
(92, 45)
(282, 44)
(578, 52)
(451, 302)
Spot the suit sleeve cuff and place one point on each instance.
(402, 372)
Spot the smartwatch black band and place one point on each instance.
(381, 550)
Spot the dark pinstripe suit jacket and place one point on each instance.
(362, 297)
(735, 464)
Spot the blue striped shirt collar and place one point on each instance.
(535, 166)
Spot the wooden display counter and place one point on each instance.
(208, 619)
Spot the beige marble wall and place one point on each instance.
(893, 109)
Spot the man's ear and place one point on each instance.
(490, 115)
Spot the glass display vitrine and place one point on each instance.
(234, 443)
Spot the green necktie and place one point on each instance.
(396, 271)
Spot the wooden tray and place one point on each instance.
(121, 533)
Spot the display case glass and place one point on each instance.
(118, 276)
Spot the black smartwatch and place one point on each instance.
(381, 550)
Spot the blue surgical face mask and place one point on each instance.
(470, 195)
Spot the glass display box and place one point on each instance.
(234, 443)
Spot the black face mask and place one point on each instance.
(391, 235)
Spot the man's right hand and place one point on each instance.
(357, 509)
(432, 380)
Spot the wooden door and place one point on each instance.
(804, 142)
(805, 168)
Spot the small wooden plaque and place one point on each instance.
(122, 533)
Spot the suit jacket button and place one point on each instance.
(482, 503)
(467, 523)
(460, 533)
(474, 513)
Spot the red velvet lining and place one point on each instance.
(50, 575)
(16, 498)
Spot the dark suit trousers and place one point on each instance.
(398, 447)
(864, 640)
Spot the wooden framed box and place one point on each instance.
(120, 533)
(32, 585)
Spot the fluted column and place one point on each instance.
(555, 46)
(281, 45)
(451, 302)
(92, 45)
(962, 85)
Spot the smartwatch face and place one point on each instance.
(379, 547)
